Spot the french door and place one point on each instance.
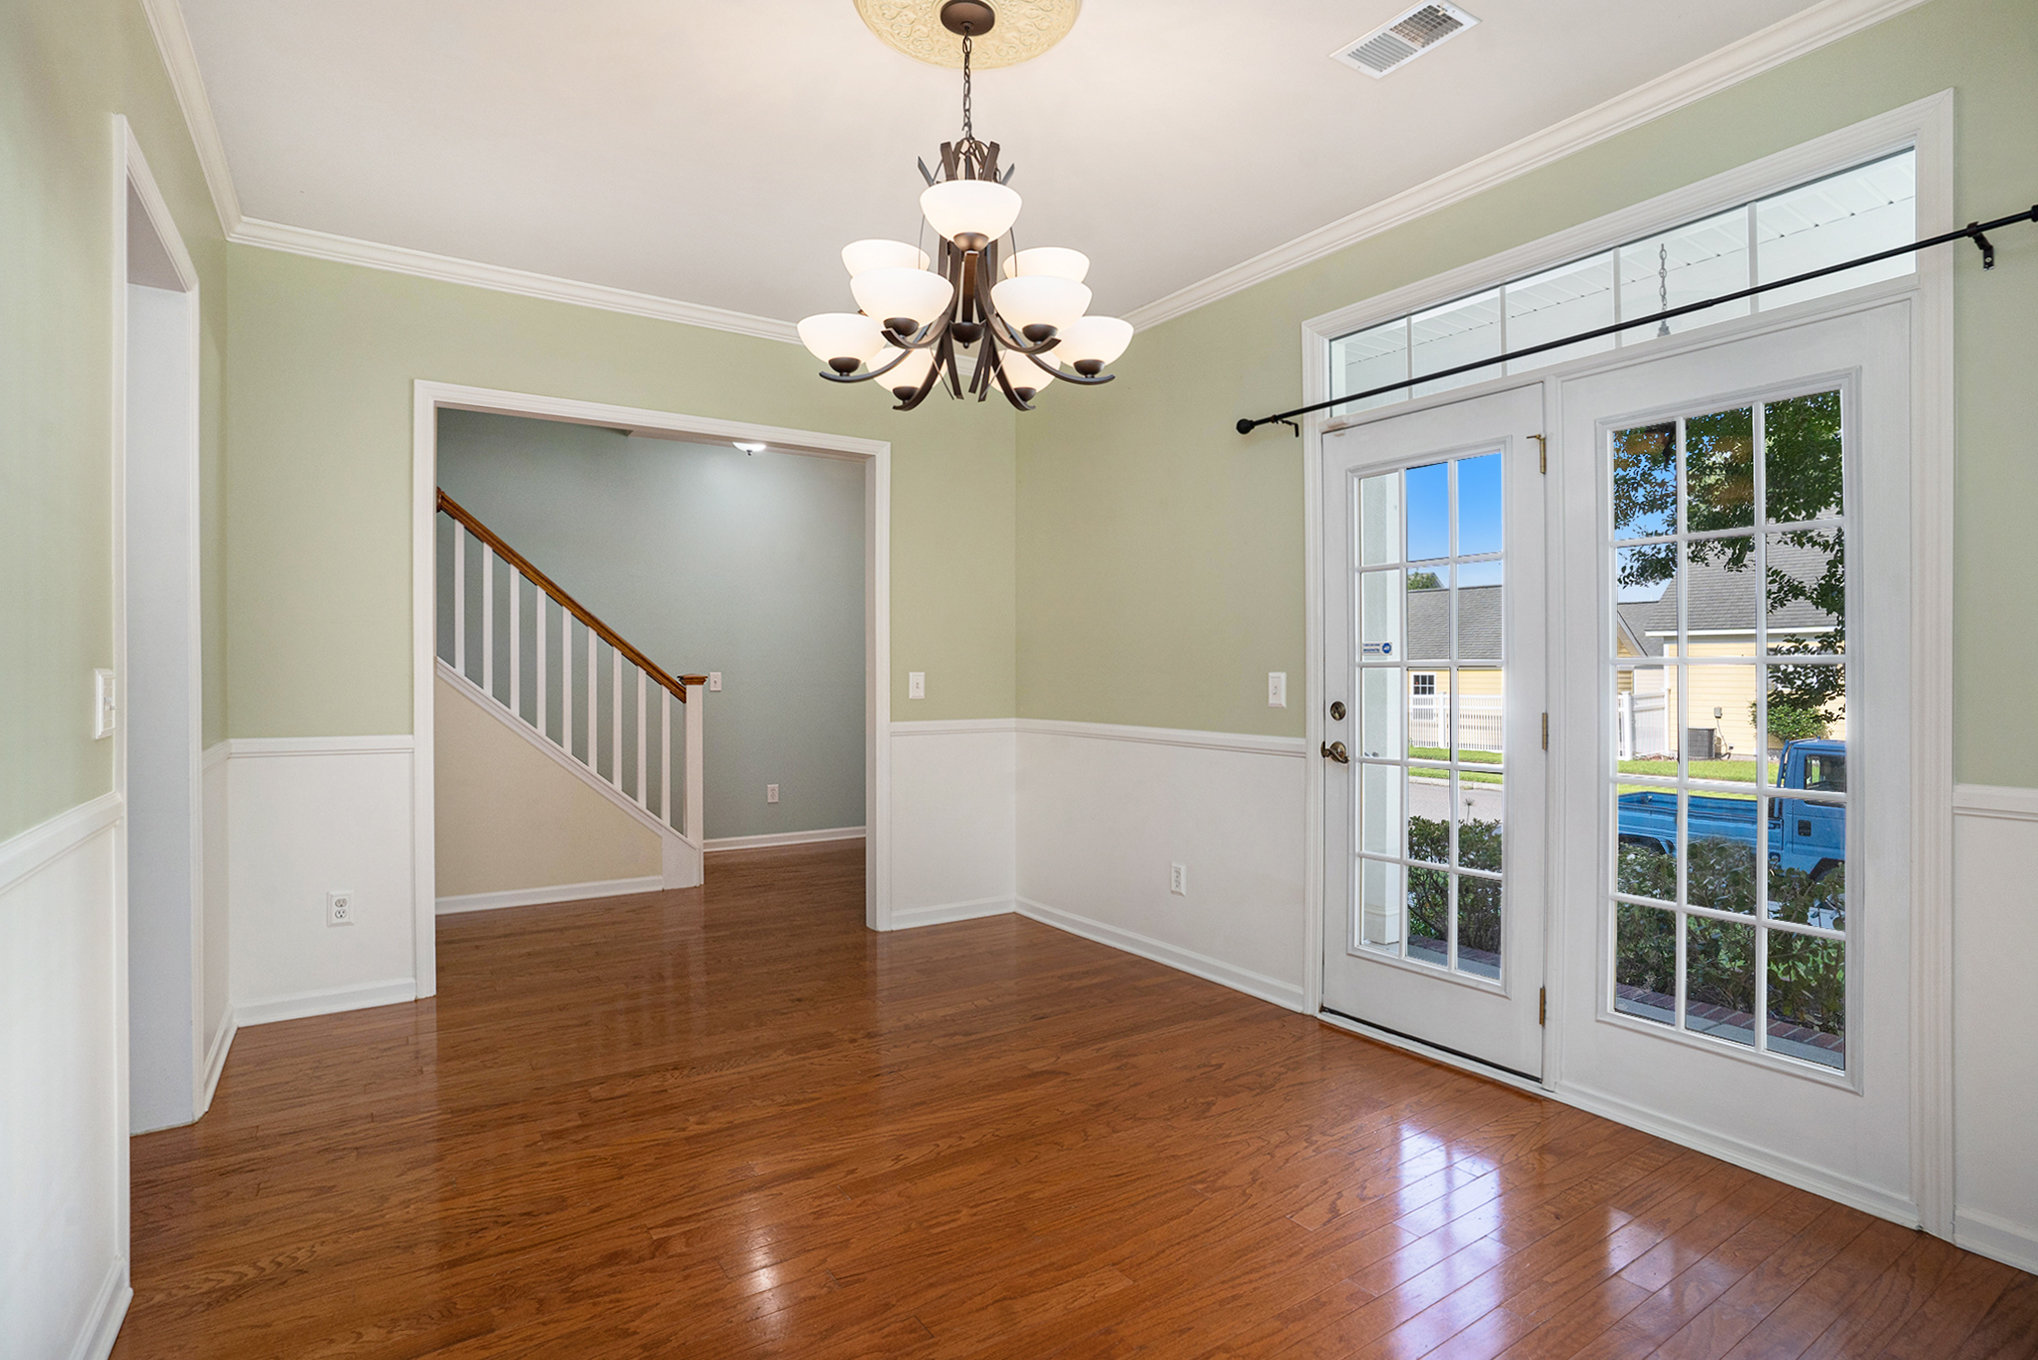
(1435, 635)
(1732, 749)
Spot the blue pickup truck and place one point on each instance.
(1804, 835)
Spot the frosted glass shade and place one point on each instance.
(911, 372)
(970, 207)
(841, 336)
(1040, 300)
(917, 295)
(860, 257)
(1021, 371)
(1100, 339)
(1054, 261)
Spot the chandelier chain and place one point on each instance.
(968, 46)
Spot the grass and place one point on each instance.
(1724, 771)
(1464, 758)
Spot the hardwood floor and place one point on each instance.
(730, 1122)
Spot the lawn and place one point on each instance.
(1724, 771)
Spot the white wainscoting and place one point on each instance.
(1995, 1023)
(306, 816)
(63, 1116)
(1103, 811)
(952, 851)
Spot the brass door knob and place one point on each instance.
(1336, 751)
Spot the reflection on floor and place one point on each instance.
(731, 1122)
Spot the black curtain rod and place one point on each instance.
(1973, 231)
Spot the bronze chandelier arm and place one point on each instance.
(866, 377)
(1070, 375)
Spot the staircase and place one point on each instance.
(511, 638)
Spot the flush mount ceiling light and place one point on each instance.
(1017, 315)
(920, 29)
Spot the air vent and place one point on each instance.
(1414, 33)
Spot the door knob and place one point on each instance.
(1336, 751)
(1337, 711)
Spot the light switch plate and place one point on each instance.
(104, 712)
(714, 682)
(771, 793)
(1277, 689)
(1178, 879)
(916, 684)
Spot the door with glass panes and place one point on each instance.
(1733, 740)
(1434, 645)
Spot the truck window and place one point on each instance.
(1825, 774)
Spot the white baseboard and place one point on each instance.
(907, 918)
(109, 1310)
(1279, 993)
(328, 1002)
(1997, 1238)
(215, 1061)
(1845, 1189)
(545, 897)
(717, 844)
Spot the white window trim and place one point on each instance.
(1926, 126)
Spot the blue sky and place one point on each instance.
(1427, 498)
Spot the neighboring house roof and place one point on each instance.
(1633, 620)
(1479, 624)
(1721, 600)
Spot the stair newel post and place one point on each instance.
(696, 797)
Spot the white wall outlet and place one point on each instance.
(1277, 689)
(771, 793)
(1178, 879)
(103, 711)
(714, 682)
(339, 907)
(916, 684)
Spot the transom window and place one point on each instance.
(1430, 578)
(1855, 212)
(1728, 661)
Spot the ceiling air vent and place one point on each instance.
(1414, 33)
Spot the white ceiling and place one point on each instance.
(722, 153)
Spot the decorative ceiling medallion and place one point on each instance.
(1024, 29)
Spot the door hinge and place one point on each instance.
(1546, 731)
(1542, 1005)
(1543, 453)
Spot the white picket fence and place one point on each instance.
(1480, 721)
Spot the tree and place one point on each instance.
(1424, 580)
(1803, 481)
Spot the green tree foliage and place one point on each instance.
(1424, 580)
(1803, 471)
(1429, 903)
(1789, 722)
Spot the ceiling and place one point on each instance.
(722, 153)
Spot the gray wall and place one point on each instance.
(709, 560)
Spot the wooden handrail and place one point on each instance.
(674, 684)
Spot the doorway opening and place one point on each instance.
(677, 629)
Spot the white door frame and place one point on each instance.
(876, 455)
(1926, 125)
(133, 176)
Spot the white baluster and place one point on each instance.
(488, 620)
(566, 680)
(616, 718)
(538, 602)
(460, 598)
(516, 583)
(665, 756)
(640, 741)
(593, 704)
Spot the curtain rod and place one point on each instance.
(1973, 231)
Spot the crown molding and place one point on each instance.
(180, 60)
(1781, 42)
(324, 245)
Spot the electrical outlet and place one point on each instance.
(1277, 689)
(103, 711)
(771, 793)
(714, 682)
(339, 908)
(916, 684)
(1178, 879)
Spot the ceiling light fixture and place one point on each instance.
(753, 449)
(1019, 316)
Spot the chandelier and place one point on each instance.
(990, 316)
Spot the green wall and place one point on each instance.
(319, 428)
(1160, 555)
(707, 559)
(66, 67)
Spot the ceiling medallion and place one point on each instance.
(1016, 315)
(922, 28)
